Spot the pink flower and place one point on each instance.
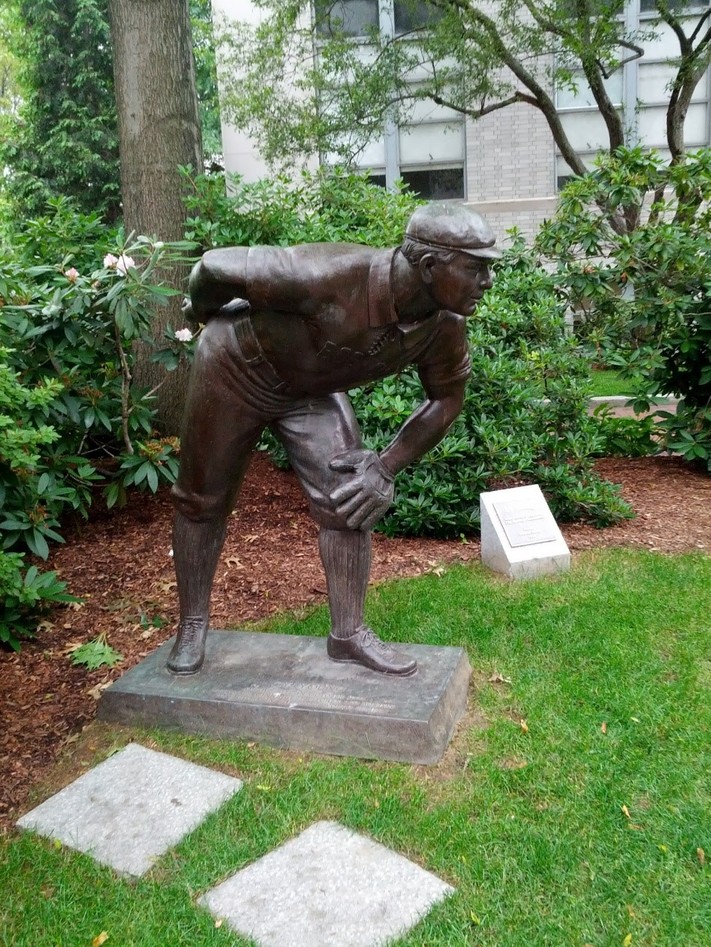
(123, 263)
(72, 273)
(120, 263)
(183, 335)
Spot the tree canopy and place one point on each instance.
(475, 57)
(63, 139)
(58, 123)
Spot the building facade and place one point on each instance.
(506, 163)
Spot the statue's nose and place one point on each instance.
(487, 279)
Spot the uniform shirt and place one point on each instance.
(325, 318)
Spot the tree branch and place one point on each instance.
(699, 25)
(666, 16)
(638, 53)
(517, 97)
(548, 26)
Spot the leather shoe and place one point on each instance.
(364, 647)
(188, 652)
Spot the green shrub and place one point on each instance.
(24, 595)
(625, 437)
(323, 206)
(30, 497)
(642, 296)
(75, 299)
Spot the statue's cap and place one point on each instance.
(453, 227)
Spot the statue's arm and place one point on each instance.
(443, 372)
(366, 492)
(423, 429)
(216, 279)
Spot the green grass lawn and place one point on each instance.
(573, 808)
(607, 382)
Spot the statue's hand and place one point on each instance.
(367, 493)
(187, 310)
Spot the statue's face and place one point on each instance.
(459, 285)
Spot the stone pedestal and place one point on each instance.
(284, 691)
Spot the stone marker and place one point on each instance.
(283, 690)
(519, 535)
(131, 808)
(328, 886)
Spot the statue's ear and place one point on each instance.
(425, 264)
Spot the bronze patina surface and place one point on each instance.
(288, 330)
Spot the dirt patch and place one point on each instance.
(121, 566)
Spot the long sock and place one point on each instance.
(196, 550)
(346, 561)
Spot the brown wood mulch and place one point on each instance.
(121, 567)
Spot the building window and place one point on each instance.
(360, 17)
(413, 15)
(650, 6)
(352, 17)
(436, 184)
(582, 98)
(432, 184)
(427, 152)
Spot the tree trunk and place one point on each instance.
(159, 130)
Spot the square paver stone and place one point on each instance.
(326, 886)
(131, 808)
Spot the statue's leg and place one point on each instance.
(196, 550)
(345, 554)
(314, 433)
(219, 433)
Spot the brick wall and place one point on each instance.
(510, 167)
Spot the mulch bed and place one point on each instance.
(121, 566)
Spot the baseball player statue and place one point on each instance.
(287, 332)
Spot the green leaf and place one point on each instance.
(95, 654)
(37, 543)
(113, 493)
(143, 472)
(153, 479)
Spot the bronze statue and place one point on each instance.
(287, 332)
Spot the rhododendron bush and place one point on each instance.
(75, 299)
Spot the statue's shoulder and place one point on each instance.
(334, 251)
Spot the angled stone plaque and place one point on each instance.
(519, 535)
(283, 690)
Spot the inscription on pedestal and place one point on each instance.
(526, 524)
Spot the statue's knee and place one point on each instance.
(327, 516)
(198, 508)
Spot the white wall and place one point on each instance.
(241, 154)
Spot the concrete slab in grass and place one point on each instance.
(132, 808)
(327, 886)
